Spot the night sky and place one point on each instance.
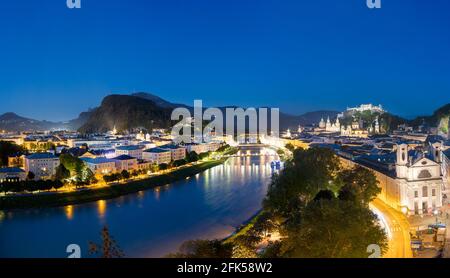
(299, 55)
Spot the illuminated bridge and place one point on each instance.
(247, 150)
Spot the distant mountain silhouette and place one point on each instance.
(145, 110)
(105, 117)
(13, 122)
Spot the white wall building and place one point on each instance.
(202, 148)
(100, 165)
(177, 152)
(157, 155)
(126, 162)
(133, 151)
(420, 180)
(12, 174)
(42, 165)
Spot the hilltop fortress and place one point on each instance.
(352, 122)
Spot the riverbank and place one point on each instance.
(109, 192)
(243, 229)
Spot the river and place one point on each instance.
(150, 223)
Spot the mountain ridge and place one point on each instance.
(104, 118)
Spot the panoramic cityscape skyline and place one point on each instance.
(312, 55)
(125, 133)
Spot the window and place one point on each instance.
(416, 194)
(433, 192)
(425, 191)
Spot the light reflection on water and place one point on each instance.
(149, 223)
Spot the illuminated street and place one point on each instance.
(397, 229)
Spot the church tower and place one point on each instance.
(328, 125)
(437, 151)
(377, 126)
(401, 166)
(322, 123)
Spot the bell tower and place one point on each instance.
(437, 151)
(401, 166)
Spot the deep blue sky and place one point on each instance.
(299, 55)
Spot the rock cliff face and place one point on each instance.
(126, 113)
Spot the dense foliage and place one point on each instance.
(8, 149)
(316, 221)
(30, 186)
(203, 249)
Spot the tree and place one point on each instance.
(62, 173)
(154, 168)
(308, 172)
(108, 248)
(204, 155)
(107, 178)
(273, 250)
(265, 224)
(223, 148)
(333, 229)
(30, 176)
(290, 147)
(72, 163)
(125, 174)
(358, 184)
(324, 195)
(192, 157)
(180, 162)
(78, 174)
(88, 177)
(245, 245)
(204, 249)
(57, 185)
(163, 166)
(8, 149)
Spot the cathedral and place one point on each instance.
(354, 130)
(411, 180)
(419, 179)
(330, 127)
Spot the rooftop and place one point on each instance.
(447, 153)
(11, 170)
(170, 146)
(156, 150)
(98, 160)
(129, 148)
(41, 156)
(123, 157)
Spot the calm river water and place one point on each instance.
(150, 223)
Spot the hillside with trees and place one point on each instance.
(319, 209)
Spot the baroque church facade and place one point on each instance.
(354, 130)
(419, 179)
